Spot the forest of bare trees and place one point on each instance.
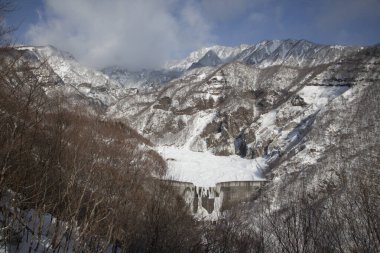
(92, 177)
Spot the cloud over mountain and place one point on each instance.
(122, 32)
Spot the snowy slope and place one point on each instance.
(334, 143)
(78, 78)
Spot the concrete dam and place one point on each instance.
(218, 198)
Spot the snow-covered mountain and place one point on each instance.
(292, 53)
(210, 59)
(77, 78)
(69, 69)
(209, 56)
(142, 78)
(259, 111)
(224, 53)
(257, 102)
(300, 53)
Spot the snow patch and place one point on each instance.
(199, 123)
(201, 77)
(321, 95)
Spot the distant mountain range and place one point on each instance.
(293, 53)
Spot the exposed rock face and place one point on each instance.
(298, 101)
(240, 145)
(163, 104)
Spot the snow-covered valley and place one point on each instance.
(253, 128)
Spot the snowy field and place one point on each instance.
(205, 169)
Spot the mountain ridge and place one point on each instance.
(290, 52)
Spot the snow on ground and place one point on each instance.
(201, 120)
(205, 169)
(321, 95)
(267, 120)
(267, 124)
(201, 77)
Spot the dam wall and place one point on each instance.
(235, 192)
(222, 196)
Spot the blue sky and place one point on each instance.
(147, 33)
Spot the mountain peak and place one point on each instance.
(209, 59)
(223, 52)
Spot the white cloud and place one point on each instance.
(130, 33)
